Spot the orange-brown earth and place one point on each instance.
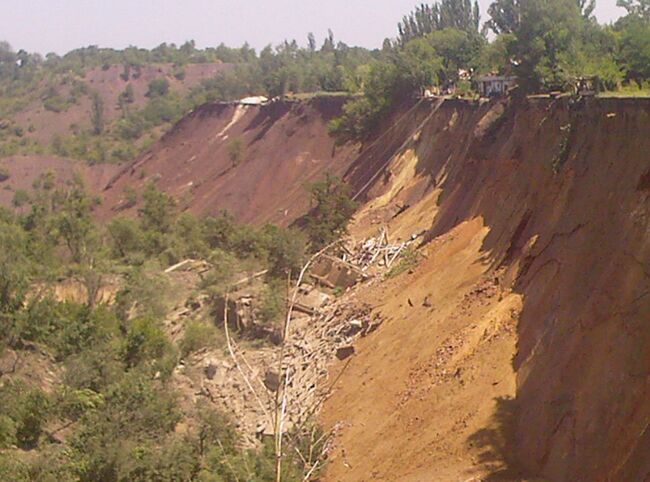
(284, 146)
(519, 347)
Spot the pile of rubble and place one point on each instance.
(245, 384)
(378, 250)
(247, 379)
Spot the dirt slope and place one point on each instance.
(24, 170)
(519, 348)
(284, 146)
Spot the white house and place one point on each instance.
(257, 100)
(495, 85)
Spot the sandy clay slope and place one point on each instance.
(284, 146)
(518, 348)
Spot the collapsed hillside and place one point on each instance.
(253, 161)
(514, 344)
(518, 346)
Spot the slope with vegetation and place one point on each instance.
(253, 161)
(93, 378)
(513, 341)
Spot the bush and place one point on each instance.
(144, 341)
(126, 237)
(286, 250)
(28, 409)
(333, 208)
(236, 151)
(158, 87)
(197, 335)
(4, 174)
(179, 72)
(56, 104)
(273, 303)
(21, 197)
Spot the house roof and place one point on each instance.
(496, 78)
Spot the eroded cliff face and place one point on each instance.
(253, 161)
(537, 214)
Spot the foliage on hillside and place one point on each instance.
(60, 83)
(545, 43)
(114, 414)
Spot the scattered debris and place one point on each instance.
(377, 250)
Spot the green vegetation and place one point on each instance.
(58, 82)
(236, 151)
(97, 114)
(331, 211)
(115, 403)
(409, 260)
(546, 44)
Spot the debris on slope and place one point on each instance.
(313, 343)
(377, 250)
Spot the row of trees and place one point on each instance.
(545, 43)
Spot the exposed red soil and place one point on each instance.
(534, 359)
(24, 170)
(285, 146)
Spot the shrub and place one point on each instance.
(28, 410)
(4, 174)
(158, 87)
(179, 72)
(273, 303)
(286, 250)
(236, 151)
(197, 335)
(21, 197)
(144, 341)
(56, 104)
(333, 208)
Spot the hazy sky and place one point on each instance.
(61, 25)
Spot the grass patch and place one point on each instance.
(409, 259)
(198, 335)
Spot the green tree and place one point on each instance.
(158, 87)
(634, 52)
(457, 14)
(126, 236)
(236, 150)
(331, 211)
(157, 212)
(75, 223)
(97, 114)
(505, 16)
(637, 8)
(14, 266)
(547, 43)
